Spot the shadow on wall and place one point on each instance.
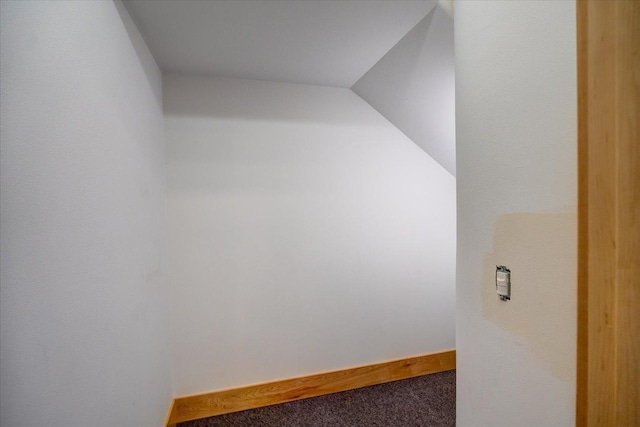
(257, 100)
(257, 137)
(145, 58)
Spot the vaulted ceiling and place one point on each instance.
(395, 54)
(328, 43)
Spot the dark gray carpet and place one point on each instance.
(429, 400)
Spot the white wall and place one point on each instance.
(306, 234)
(84, 313)
(413, 86)
(516, 153)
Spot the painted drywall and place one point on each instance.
(306, 234)
(413, 86)
(84, 309)
(328, 43)
(516, 182)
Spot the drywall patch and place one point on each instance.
(540, 251)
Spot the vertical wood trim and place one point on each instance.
(168, 422)
(609, 213)
(600, 186)
(627, 21)
(583, 218)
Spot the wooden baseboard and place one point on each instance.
(167, 421)
(204, 405)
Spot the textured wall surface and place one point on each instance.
(84, 309)
(516, 152)
(306, 234)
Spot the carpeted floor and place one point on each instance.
(423, 401)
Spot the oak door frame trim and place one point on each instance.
(608, 356)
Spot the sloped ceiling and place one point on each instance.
(413, 86)
(327, 43)
(397, 55)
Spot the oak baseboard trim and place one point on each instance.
(167, 421)
(204, 405)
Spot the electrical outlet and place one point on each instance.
(503, 282)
